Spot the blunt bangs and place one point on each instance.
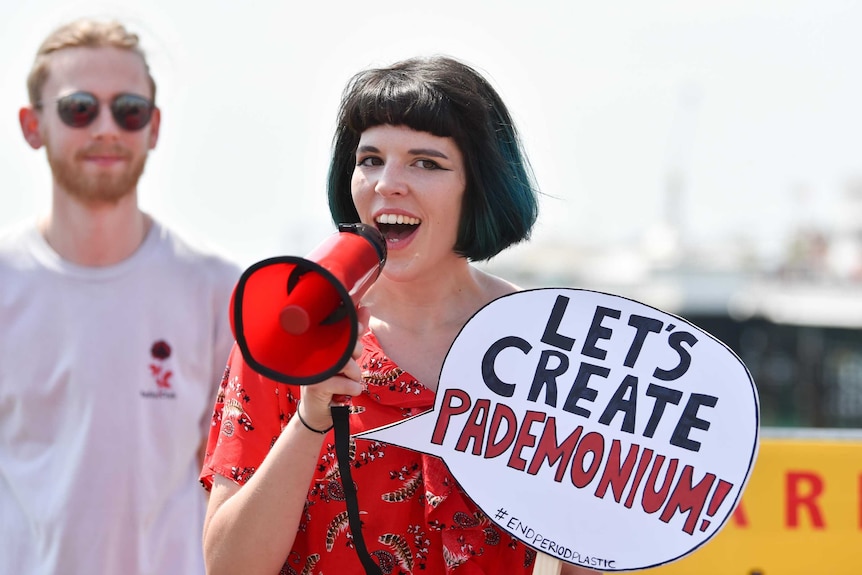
(401, 100)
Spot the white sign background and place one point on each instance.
(650, 479)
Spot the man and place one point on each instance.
(114, 333)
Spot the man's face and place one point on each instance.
(98, 163)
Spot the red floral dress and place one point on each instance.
(415, 517)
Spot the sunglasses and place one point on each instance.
(130, 111)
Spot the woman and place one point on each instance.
(426, 151)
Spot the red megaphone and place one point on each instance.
(294, 319)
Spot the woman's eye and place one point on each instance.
(369, 161)
(427, 164)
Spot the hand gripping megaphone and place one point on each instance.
(294, 319)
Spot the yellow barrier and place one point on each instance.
(801, 513)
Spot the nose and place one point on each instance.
(104, 126)
(392, 181)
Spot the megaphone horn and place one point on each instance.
(295, 318)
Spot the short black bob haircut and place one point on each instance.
(447, 98)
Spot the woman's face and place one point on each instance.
(410, 185)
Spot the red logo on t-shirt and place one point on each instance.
(161, 351)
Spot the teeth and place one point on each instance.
(397, 219)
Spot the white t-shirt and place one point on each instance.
(107, 382)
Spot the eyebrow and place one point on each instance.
(413, 152)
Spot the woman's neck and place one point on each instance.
(416, 323)
(426, 306)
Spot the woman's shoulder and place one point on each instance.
(494, 286)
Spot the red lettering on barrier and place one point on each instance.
(796, 499)
(740, 517)
(860, 502)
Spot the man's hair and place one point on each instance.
(83, 33)
(447, 98)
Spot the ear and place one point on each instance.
(29, 119)
(155, 124)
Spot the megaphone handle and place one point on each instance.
(341, 421)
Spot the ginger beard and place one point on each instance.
(102, 187)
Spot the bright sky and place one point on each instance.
(757, 103)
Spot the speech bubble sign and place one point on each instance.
(591, 427)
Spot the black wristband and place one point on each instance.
(308, 427)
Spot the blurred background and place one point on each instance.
(701, 157)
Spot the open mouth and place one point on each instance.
(396, 227)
